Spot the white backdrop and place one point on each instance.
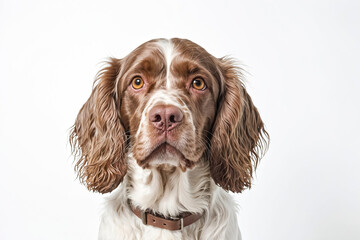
(303, 64)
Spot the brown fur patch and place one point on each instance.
(238, 137)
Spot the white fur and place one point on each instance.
(193, 190)
(168, 50)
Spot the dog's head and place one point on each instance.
(168, 102)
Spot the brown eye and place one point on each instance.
(137, 83)
(198, 84)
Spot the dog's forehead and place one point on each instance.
(169, 52)
(183, 58)
(170, 64)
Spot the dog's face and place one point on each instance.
(169, 102)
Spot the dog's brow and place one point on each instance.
(193, 70)
(147, 66)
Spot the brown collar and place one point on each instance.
(172, 223)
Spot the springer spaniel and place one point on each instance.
(169, 129)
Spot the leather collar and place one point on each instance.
(170, 223)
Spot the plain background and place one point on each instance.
(302, 59)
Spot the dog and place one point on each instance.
(169, 130)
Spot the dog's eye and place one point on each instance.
(137, 83)
(198, 84)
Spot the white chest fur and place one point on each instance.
(169, 191)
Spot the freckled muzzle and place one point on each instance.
(166, 134)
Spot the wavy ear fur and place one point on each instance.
(239, 137)
(98, 137)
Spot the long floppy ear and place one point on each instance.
(98, 138)
(239, 137)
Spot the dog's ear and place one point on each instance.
(239, 137)
(98, 138)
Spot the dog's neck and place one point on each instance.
(168, 190)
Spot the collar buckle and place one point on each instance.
(144, 217)
(181, 221)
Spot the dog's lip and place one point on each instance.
(164, 146)
(168, 147)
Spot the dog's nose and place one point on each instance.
(165, 117)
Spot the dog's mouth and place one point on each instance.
(166, 154)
